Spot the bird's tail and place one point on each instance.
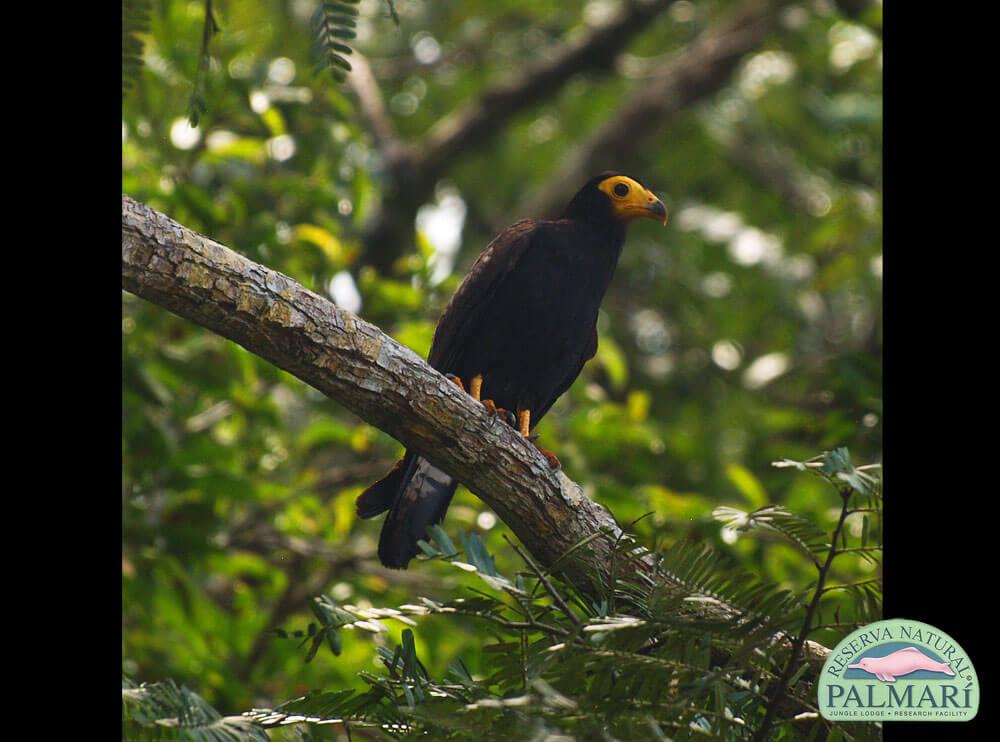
(417, 494)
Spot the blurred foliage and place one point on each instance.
(747, 331)
(639, 660)
(135, 22)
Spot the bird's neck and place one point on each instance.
(608, 231)
(594, 247)
(613, 231)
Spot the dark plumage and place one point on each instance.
(525, 321)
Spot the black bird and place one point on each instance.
(519, 329)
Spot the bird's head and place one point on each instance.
(616, 197)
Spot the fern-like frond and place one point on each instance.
(774, 518)
(166, 710)
(392, 11)
(135, 23)
(334, 24)
(693, 577)
(642, 660)
(197, 104)
(836, 467)
(373, 708)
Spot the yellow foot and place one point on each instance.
(524, 426)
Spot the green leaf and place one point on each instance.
(440, 538)
(748, 485)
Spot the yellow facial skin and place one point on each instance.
(630, 200)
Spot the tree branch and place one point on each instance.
(388, 386)
(481, 120)
(372, 104)
(413, 170)
(700, 71)
(778, 691)
(774, 167)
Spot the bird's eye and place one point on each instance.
(621, 190)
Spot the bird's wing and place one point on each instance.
(461, 317)
(589, 352)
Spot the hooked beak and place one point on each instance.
(656, 210)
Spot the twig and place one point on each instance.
(793, 660)
(545, 581)
(701, 70)
(362, 81)
(873, 581)
(196, 104)
(862, 550)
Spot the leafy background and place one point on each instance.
(747, 331)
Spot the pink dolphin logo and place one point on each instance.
(900, 662)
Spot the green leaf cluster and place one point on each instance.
(642, 658)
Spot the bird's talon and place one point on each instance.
(455, 380)
(491, 407)
(508, 417)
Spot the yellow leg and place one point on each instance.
(524, 422)
(475, 391)
(524, 426)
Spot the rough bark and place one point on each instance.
(385, 384)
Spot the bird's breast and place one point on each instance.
(573, 282)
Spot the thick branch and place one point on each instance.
(384, 383)
(479, 121)
(354, 363)
(696, 74)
